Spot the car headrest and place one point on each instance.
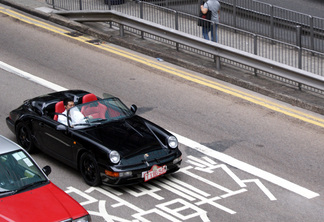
(89, 98)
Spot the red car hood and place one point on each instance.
(46, 203)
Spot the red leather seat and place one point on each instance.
(59, 108)
(113, 113)
(89, 98)
(96, 110)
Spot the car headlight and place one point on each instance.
(172, 142)
(86, 218)
(114, 156)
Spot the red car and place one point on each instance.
(26, 194)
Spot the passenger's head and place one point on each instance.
(68, 103)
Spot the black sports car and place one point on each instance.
(103, 138)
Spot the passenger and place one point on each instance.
(75, 116)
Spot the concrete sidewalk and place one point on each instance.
(288, 94)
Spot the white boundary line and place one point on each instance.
(190, 143)
(31, 77)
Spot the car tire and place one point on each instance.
(24, 137)
(90, 170)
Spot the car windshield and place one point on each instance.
(18, 172)
(98, 112)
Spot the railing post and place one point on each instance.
(109, 4)
(299, 44)
(121, 30)
(255, 42)
(298, 36)
(218, 62)
(198, 8)
(141, 16)
(300, 65)
(234, 13)
(141, 9)
(300, 58)
(216, 58)
(271, 22)
(311, 26)
(109, 8)
(214, 30)
(80, 2)
(176, 20)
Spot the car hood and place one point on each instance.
(128, 136)
(46, 203)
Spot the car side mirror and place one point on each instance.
(47, 170)
(133, 108)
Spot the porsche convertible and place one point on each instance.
(107, 142)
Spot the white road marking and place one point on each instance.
(190, 143)
(185, 208)
(150, 190)
(262, 187)
(89, 199)
(31, 77)
(232, 175)
(186, 171)
(247, 167)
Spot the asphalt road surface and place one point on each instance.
(245, 157)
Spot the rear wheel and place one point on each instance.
(90, 170)
(24, 137)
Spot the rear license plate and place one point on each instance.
(155, 171)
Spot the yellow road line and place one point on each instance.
(176, 72)
(35, 22)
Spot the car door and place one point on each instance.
(56, 143)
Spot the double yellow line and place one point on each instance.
(173, 71)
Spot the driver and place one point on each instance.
(75, 116)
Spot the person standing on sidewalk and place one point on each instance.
(214, 7)
(205, 25)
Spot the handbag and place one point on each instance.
(207, 16)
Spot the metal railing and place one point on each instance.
(275, 22)
(268, 48)
(289, 54)
(249, 15)
(263, 19)
(302, 78)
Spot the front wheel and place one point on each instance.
(24, 137)
(90, 170)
